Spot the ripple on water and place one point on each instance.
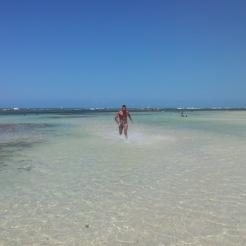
(87, 187)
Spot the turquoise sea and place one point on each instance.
(70, 179)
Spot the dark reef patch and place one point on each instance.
(22, 127)
(16, 145)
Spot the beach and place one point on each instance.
(70, 179)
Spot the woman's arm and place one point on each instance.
(116, 118)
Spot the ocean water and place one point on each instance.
(72, 180)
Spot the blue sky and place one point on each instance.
(106, 53)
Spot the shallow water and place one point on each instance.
(72, 180)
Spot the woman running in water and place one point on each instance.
(121, 120)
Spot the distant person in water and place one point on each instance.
(121, 120)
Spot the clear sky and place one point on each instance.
(106, 53)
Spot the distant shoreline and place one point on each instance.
(91, 110)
